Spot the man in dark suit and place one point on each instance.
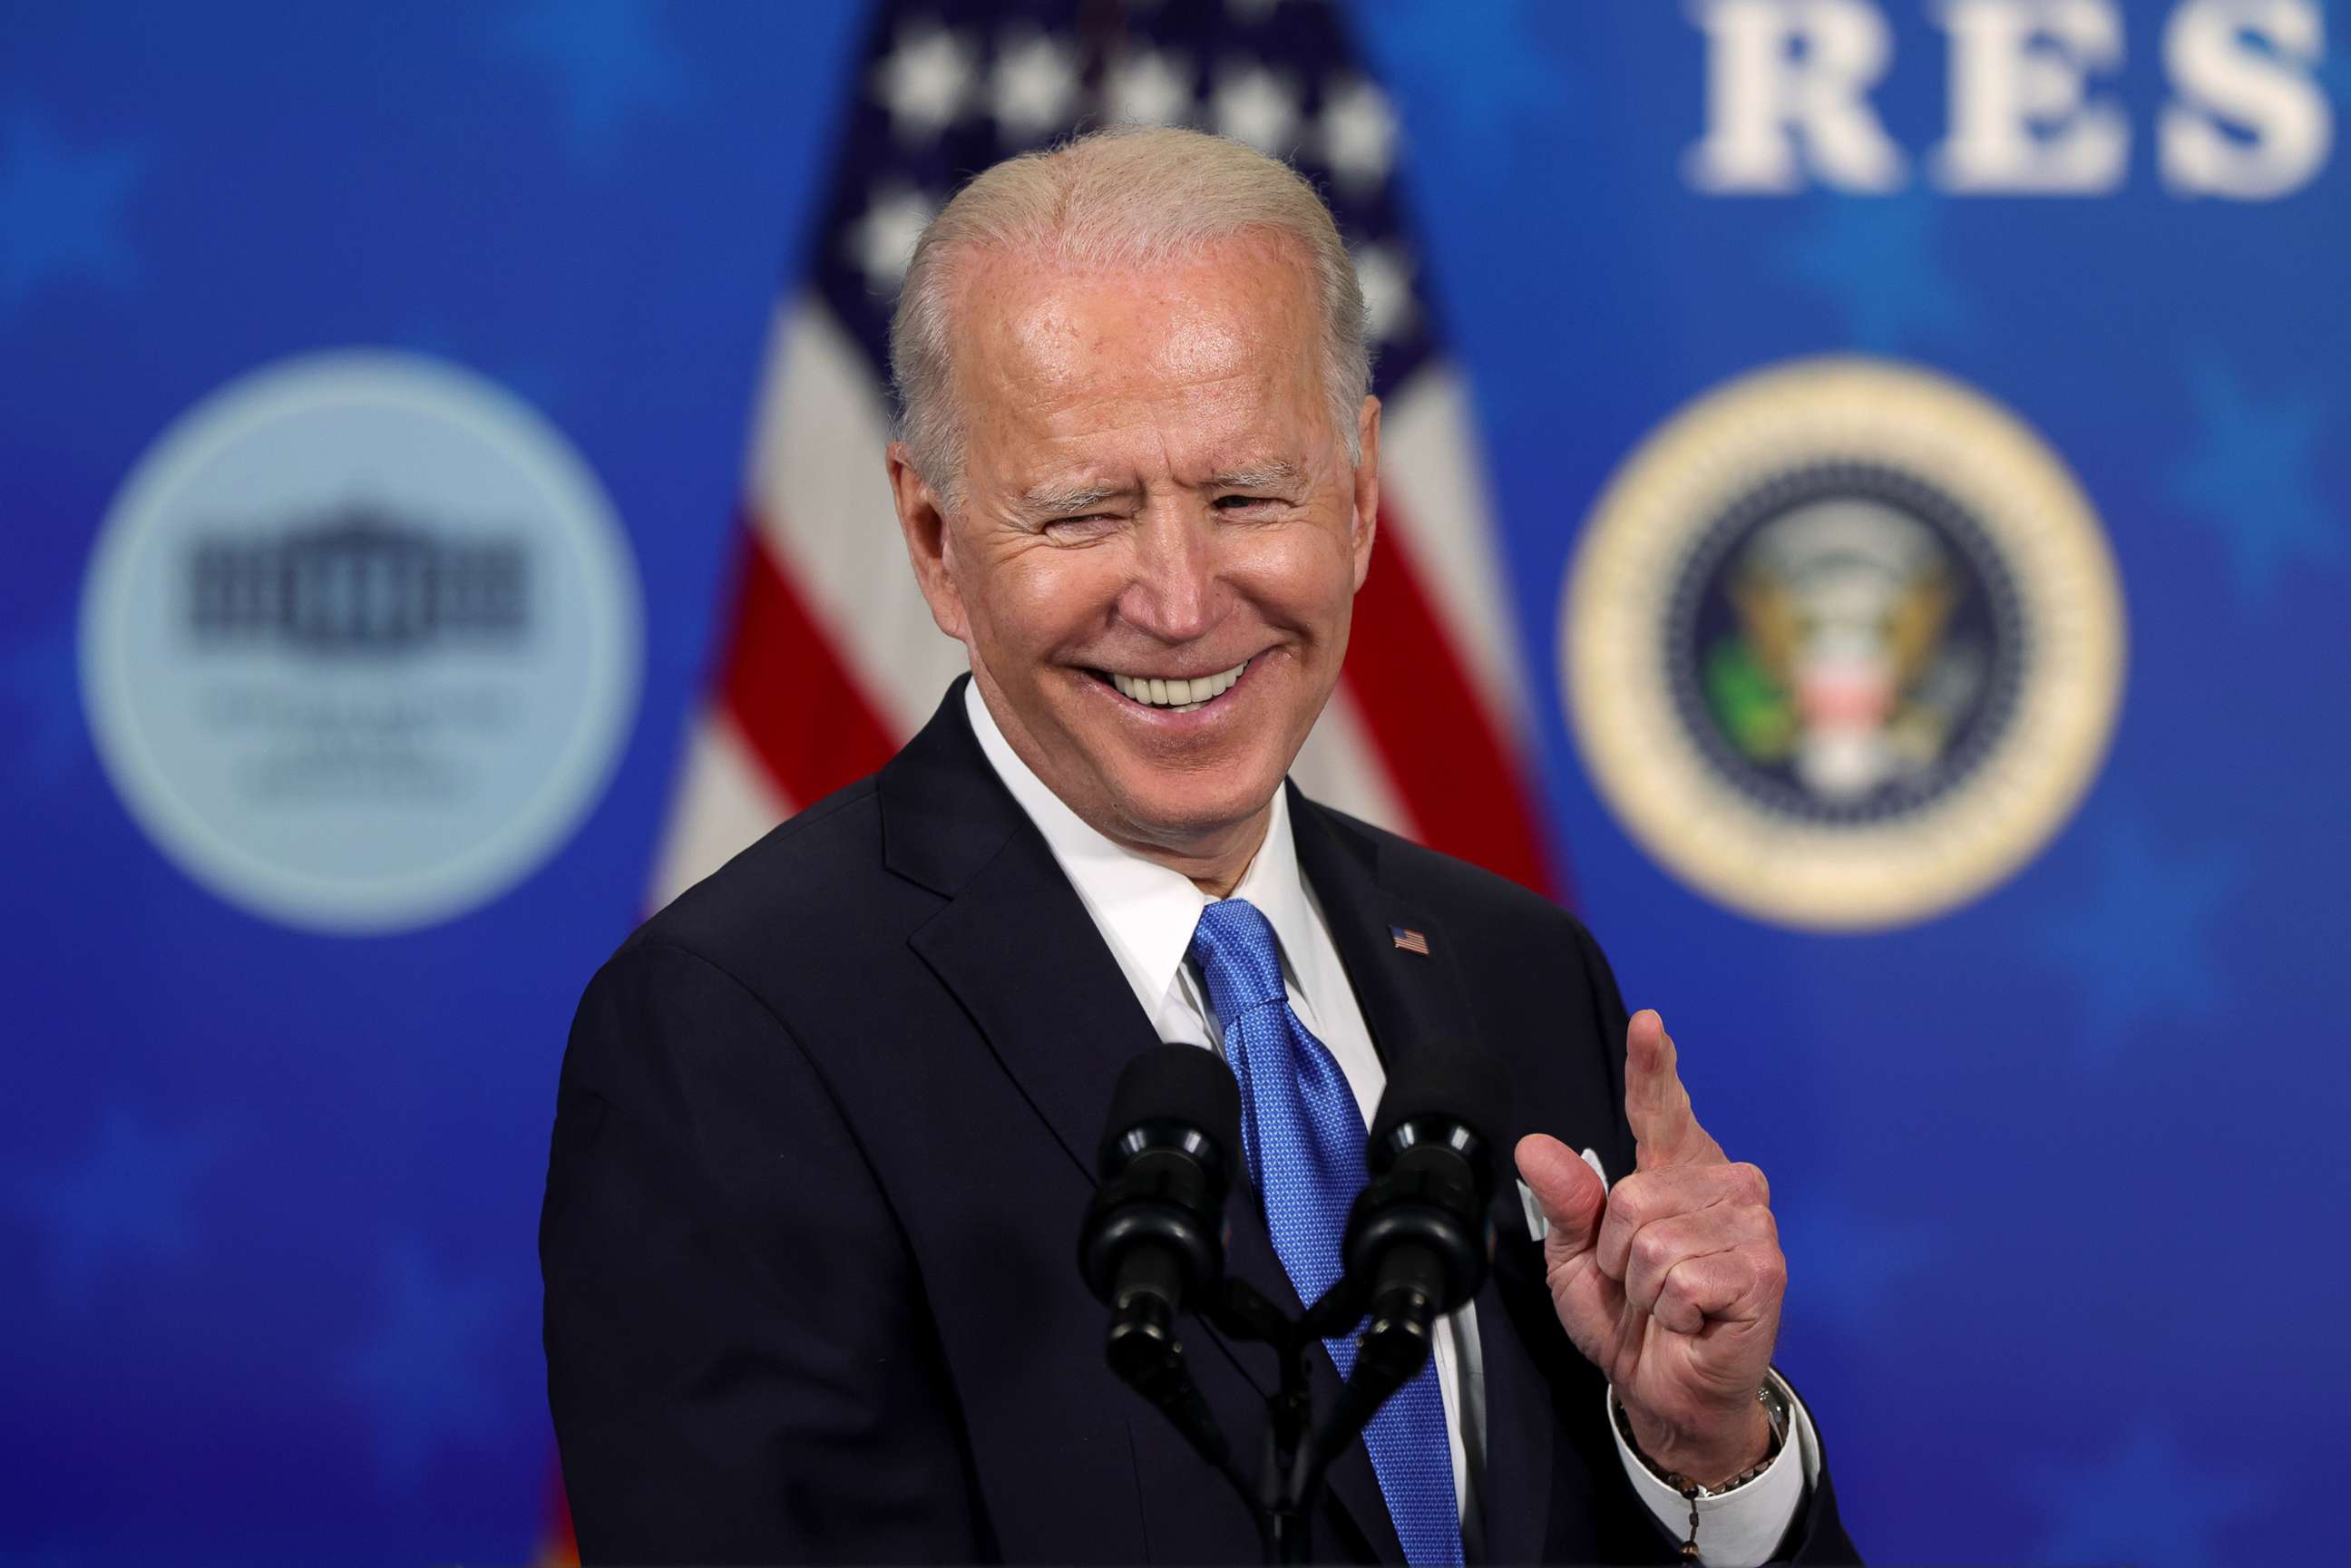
(825, 1124)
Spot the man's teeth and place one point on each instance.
(1183, 696)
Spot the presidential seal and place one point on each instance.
(1843, 644)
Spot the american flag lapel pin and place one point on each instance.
(1408, 939)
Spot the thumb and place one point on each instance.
(1571, 1193)
(1590, 1304)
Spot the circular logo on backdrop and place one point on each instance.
(1843, 644)
(359, 644)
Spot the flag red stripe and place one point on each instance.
(803, 712)
(1461, 784)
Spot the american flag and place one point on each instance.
(832, 661)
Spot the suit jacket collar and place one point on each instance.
(1015, 945)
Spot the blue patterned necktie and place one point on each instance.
(1303, 1136)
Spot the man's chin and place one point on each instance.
(1183, 817)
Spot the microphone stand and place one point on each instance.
(1296, 1454)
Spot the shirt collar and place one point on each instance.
(1144, 911)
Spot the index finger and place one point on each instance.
(1664, 1128)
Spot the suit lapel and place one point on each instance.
(1013, 942)
(1021, 954)
(1411, 1000)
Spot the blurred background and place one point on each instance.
(1866, 529)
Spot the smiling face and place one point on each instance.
(1152, 495)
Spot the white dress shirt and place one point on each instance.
(1146, 913)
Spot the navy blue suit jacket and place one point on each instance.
(821, 1148)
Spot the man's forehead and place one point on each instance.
(1083, 383)
(1196, 315)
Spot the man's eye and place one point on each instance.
(1238, 503)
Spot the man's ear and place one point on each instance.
(923, 520)
(1367, 486)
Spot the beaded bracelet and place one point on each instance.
(1775, 1408)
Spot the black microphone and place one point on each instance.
(1152, 1245)
(1421, 1236)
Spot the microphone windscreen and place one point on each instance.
(1189, 1085)
(1450, 1077)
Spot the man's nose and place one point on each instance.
(1172, 594)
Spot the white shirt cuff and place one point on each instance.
(1739, 1529)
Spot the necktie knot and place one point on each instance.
(1239, 957)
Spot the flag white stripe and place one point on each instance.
(1343, 768)
(820, 496)
(726, 801)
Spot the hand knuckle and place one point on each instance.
(1754, 1185)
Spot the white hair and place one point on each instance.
(1130, 196)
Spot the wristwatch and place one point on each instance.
(1775, 1409)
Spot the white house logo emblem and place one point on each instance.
(1843, 644)
(360, 642)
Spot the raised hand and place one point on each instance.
(1670, 1283)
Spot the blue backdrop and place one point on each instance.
(2058, 1169)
